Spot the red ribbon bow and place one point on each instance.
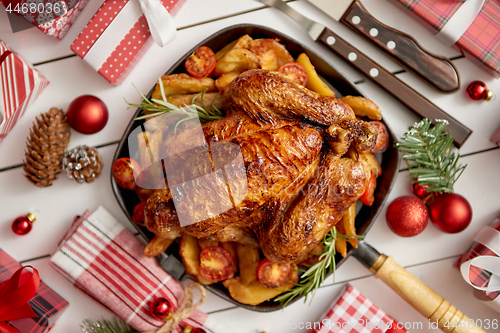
(15, 294)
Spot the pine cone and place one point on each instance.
(45, 146)
(83, 164)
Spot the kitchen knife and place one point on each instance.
(376, 73)
(438, 71)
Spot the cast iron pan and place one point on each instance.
(342, 85)
(429, 303)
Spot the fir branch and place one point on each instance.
(105, 326)
(429, 153)
(156, 107)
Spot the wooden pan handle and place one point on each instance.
(428, 302)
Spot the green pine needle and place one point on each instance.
(157, 107)
(106, 326)
(429, 153)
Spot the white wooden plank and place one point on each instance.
(57, 205)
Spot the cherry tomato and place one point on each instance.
(294, 71)
(382, 137)
(367, 197)
(125, 172)
(201, 62)
(216, 264)
(138, 213)
(272, 275)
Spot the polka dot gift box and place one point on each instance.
(116, 37)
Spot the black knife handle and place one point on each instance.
(394, 86)
(438, 71)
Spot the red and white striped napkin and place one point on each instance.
(20, 85)
(105, 260)
(354, 313)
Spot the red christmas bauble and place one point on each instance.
(160, 308)
(478, 91)
(450, 212)
(87, 114)
(23, 224)
(419, 190)
(407, 216)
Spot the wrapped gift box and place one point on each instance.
(20, 85)
(117, 37)
(106, 261)
(481, 41)
(54, 18)
(352, 312)
(487, 244)
(47, 304)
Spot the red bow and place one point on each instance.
(15, 294)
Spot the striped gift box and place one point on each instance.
(352, 312)
(20, 85)
(106, 261)
(47, 304)
(481, 41)
(117, 37)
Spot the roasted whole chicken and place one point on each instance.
(301, 157)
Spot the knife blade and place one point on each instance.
(437, 71)
(373, 71)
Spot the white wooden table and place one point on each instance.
(430, 255)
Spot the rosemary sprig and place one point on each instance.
(315, 275)
(106, 326)
(428, 152)
(156, 107)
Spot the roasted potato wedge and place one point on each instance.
(248, 261)
(205, 100)
(255, 293)
(236, 44)
(156, 246)
(375, 166)
(271, 52)
(237, 60)
(314, 82)
(189, 250)
(348, 220)
(363, 107)
(205, 242)
(176, 84)
(225, 79)
(340, 243)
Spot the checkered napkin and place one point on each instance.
(353, 313)
(106, 261)
(480, 277)
(482, 38)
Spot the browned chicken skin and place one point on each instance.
(298, 185)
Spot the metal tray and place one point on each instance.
(342, 86)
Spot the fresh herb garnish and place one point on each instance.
(156, 107)
(315, 275)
